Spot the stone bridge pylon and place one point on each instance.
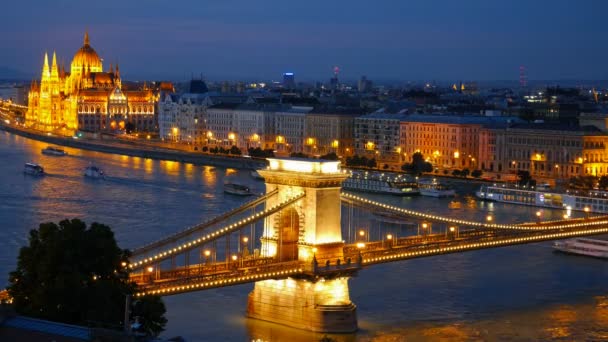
(308, 231)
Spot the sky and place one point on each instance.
(259, 40)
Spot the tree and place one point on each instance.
(330, 156)
(129, 127)
(476, 173)
(456, 173)
(464, 173)
(235, 150)
(418, 165)
(298, 155)
(74, 274)
(603, 182)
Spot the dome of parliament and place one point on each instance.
(86, 57)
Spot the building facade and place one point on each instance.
(377, 135)
(87, 98)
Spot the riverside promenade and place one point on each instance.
(137, 149)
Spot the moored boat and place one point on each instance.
(93, 172)
(237, 189)
(401, 185)
(582, 246)
(54, 151)
(33, 169)
(589, 201)
(433, 188)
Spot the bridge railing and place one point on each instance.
(211, 236)
(199, 227)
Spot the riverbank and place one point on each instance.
(134, 150)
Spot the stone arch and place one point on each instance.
(288, 231)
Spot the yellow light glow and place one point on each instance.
(234, 257)
(305, 166)
(369, 145)
(280, 139)
(389, 236)
(255, 137)
(335, 144)
(150, 269)
(310, 141)
(456, 154)
(231, 136)
(360, 245)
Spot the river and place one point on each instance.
(511, 293)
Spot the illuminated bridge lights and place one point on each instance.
(219, 232)
(484, 244)
(223, 282)
(477, 224)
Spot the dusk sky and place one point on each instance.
(394, 40)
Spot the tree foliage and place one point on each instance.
(476, 173)
(329, 156)
(418, 165)
(360, 161)
(259, 153)
(74, 274)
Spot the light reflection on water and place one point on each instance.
(513, 293)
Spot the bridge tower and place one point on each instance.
(308, 232)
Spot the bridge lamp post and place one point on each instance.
(362, 234)
(538, 215)
(150, 269)
(425, 226)
(389, 238)
(586, 212)
(245, 249)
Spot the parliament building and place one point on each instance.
(86, 98)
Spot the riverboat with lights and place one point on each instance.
(401, 185)
(433, 188)
(593, 201)
(54, 151)
(581, 246)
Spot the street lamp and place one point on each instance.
(389, 238)
(586, 212)
(538, 215)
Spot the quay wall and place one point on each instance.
(140, 151)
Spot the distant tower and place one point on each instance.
(523, 78)
(289, 80)
(333, 82)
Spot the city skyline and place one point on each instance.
(391, 41)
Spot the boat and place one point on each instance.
(593, 201)
(256, 175)
(582, 246)
(93, 172)
(433, 188)
(237, 189)
(54, 151)
(33, 169)
(401, 185)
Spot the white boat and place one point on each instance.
(401, 185)
(256, 175)
(593, 201)
(93, 172)
(237, 189)
(433, 188)
(33, 169)
(54, 151)
(581, 246)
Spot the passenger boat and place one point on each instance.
(401, 185)
(433, 188)
(581, 246)
(93, 172)
(237, 189)
(54, 151)
(33, 169)
(590, 201)
(256, 175)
